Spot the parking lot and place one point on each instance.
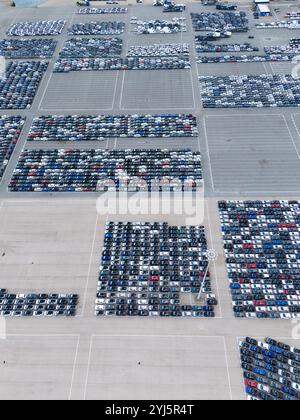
(53, 242)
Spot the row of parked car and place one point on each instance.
(220, 21)
(96, 128)
(246, 58)
(97, 28)
(66, 65)
(38, 305)
(37, 28)
(18, 88)
(158, 50)
(271, 370)
(146, 266)
(157, 26)
(262, 248)
(102, 10)
(207, 47)
(250, 91)
(292, 48)
(82, 170)
(27, 48)
(292, 25)
(10, 130)
(92, 47)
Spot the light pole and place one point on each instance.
(211, 256)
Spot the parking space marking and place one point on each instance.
(115, 90)
(74, 368)
(44, 94)
(292, 138)
(76, 110)
(296, 127)
(122, 90)
(238, 339)
(88, 367)
(90, 266)
(53, 336)
(193, 88)
(227, 366)
(242, 114)
(208, 155)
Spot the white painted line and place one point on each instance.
(115, 90)
(74, 368)
(42, 335)
(208, 154)
(78, 109)
(295, 125)
(244, 114)
(46, 88)
(156, 336)
(88, 368)
(228, 370)
(90, 265)
(93, 336)
(193, 89)
(291, 136)
(122, 91)
(157, 109)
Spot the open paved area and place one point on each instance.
(53, 242)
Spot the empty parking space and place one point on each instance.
(252, 154)
(163, 143)
(282, 68)
(34, 239)
(271, 37)
(170, 368)
(40, 13)
(296, 121)
(158, 39)
(37, 367)
(157, 89)
(236, 69)
(89, 90)
(87, 18)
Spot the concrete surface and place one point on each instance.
(53, 242)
